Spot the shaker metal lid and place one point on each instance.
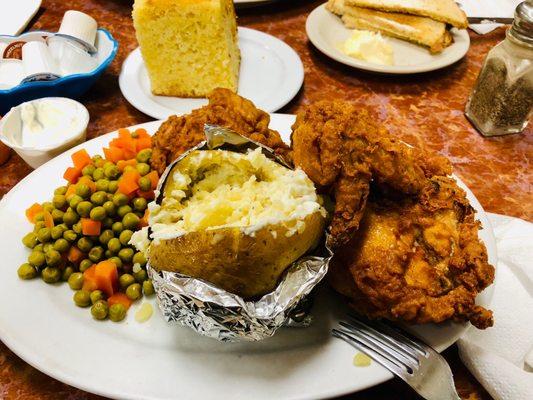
(522, 28)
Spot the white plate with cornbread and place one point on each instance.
(187, 51)
(391, 36)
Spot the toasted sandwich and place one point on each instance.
(446, 11)
(420, 30)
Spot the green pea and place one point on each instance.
(106, 236)
(44, 235)
(109, 207)
(123, 210)
(70, 217)
(56, 232)
(82, 298)
(67, 272)
(126, 280)
(83, 190)
(141, 275)
(134, 291)
(113, 187)
(60, 190)
(38, 217)
(99, 310)
(75, 281)
(97, 157)
(98, 213)
(63, 227)
(117, 261)
(144, 155)
(47, 247)
(111, 171)
(125, 236)
(117, 227)
(102, 185)
(77, 228)
(61, 245)
(108, 164)
(139, 204)
(59, 201)
(53, 257)
(108, 222)
(88, 170)
(99, 198)
(85, 264)
(139, 258)
(131, 221)
(143, 168)
(114, 245)
(126, 254)
(148, 288)
(39, 247)
(48, 206)
(57, 216)
(117, 312)
(51, 274)
(129, 168)
(108, 254)
(96, 254)
(38, 225)
(96, 295)
(84, 208)
(70, 236)
(98, 174)
(74, 201)
(145, 184)
(85, 244)
(120, 199)
(30, 240)
(27, 271)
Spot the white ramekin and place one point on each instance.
(11, 125)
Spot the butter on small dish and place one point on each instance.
(368, 46)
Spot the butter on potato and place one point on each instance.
(235, 220)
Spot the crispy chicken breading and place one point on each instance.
(225, 108)
(405, 236)
(416, 259)
(342, 149)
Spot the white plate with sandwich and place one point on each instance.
(187, 51)
(390, 36)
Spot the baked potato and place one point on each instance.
(235, 220)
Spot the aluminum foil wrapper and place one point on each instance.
(214, 312)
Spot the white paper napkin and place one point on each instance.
(501, 357)
(488, 8)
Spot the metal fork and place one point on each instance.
(413, 361)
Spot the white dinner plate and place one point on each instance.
(271, 75)
(327, 32)
(155, 361)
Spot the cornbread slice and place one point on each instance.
(189, 46)
(446, 11)
(420, 30)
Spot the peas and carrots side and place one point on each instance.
(82, 235)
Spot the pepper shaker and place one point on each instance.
(501, 102)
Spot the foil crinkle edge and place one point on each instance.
(216, 313)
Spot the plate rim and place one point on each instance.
(34, 359)
(129, 87)
(317, 40)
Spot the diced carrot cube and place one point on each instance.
(32, 211)
(72, 174)
(90, 227)
(81, 158)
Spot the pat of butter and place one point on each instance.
(144, 313)
(369, 46)
(361, 360)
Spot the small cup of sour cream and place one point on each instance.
(39, 130)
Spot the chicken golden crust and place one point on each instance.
(342, 149)
(418, 259)
(225, 108)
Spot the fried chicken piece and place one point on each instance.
(225, 108)
(342, 149)
(416, 259)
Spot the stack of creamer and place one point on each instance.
(69, 51)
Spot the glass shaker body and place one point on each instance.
(501, 102)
